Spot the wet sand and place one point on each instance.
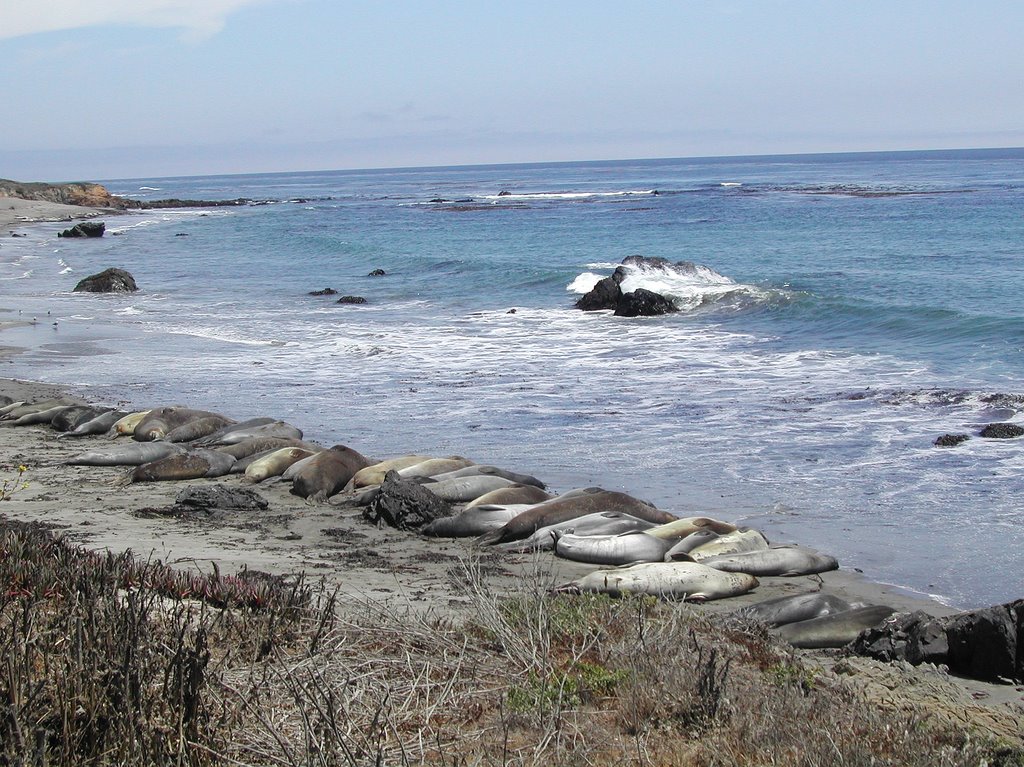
(14, 211)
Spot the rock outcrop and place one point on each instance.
(111, 280)
(608, 293)
(405, 505)
(85, 229)
(1002, 431)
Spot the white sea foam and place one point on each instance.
(730, 183)
(566, 195)
(584, 283)
(149, 189)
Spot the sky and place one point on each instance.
(106, 89)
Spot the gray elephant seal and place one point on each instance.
(44, 416)
(253, 445)
(272, 429)
(14, 411)
(188, 464)
(74, 416)
(511, 494)
(601, 523)
(564, 508)
(101, 424)
(622, 549)
(798, 607)
(462, 489)
(477, 470)
(834, 630)
(738, 542)
(134, 454)
(777, 560)
(212, 440)
(325, 473)
(470, 522)
(691, 581)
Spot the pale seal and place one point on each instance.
(622, 549)
(374, 474)
(738, 542)
(101, 424)
(462, 489)
(601, 523)
(778, 560)
(274, 464)
(471, 522)
(127, 455)
(433, 466)
(680, 528)
(477, 470)
(126, 426)
(518, 494)
(691, 581)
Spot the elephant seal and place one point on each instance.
(273, 429)
(325, 473)
(126, 426)
(12, 405)
(797, 607)
(601, 523)
(622, 549)
(14, 413)
(197, 428)
(517, 494)
(688, 544)
(274, 463)
(39, 416)
(738, 542)
(477, 470)
(72, 417)
(564, 508)
(680, 528)
(101, 424)
(187, 464)
(374, 473)
(786, 560)
(836, 630)
(128, 455)
(253, 445)
(471, 522)
(163, 420)
(212, 440)
(433, 466)
(462, 489)
(690, 581)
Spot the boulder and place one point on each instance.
(915, 637)
(377, 273)
(951, 440)
(604, 295)
(1002, 431)
(351, 300)
(643, 303)
(988, 643)
(111, 280)
(85, 229)
(324, 292)
(405, 505)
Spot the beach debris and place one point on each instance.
(112, 280)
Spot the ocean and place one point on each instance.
(845, 311)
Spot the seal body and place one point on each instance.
(101, 424)
(164, 420)
(679, 580)
(739, 542)
(623, 549)
(797, 607)
(126, 455)
(470, 522)
(433, 466)
(518, 494)
(126, 425)
(325, 473)
(601, 523)
(187, 464)
(478, 470)
(374, 473)
(253, 445)
(274, 463)
(462, 489)
(836, 630)
(566, 507)
(197, 428)
(777, 560)
(681, 528)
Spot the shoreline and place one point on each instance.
(15, 211)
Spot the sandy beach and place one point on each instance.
(15, 211)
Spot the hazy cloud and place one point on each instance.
(198, 19)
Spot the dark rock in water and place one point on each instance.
(377, 273)
(108, 281)
(914, 637)
(405, 505)
(440, 199)
(511, 311)
(351, 300)
(324, 292)
(85, 229)
(951, 440)
(988, 643)
(504, 193)
(181, 234)
(604, 295)
(1002, 431)
(221, 497)
(643, 303)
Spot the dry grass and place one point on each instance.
(104, 660)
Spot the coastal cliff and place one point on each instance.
(90, 195)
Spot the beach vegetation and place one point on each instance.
(111, 659)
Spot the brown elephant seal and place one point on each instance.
(690, 581)
(197, 428)
(163, 420)
(681, 528)
(188, 464)
(563, 508)
(325, 473)
(836, 630)
(234, 434)
(795, 608)
(788, 560)
(512, 494)
(274, 463)
(253, 445)
(101, 424)
(212, 440)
